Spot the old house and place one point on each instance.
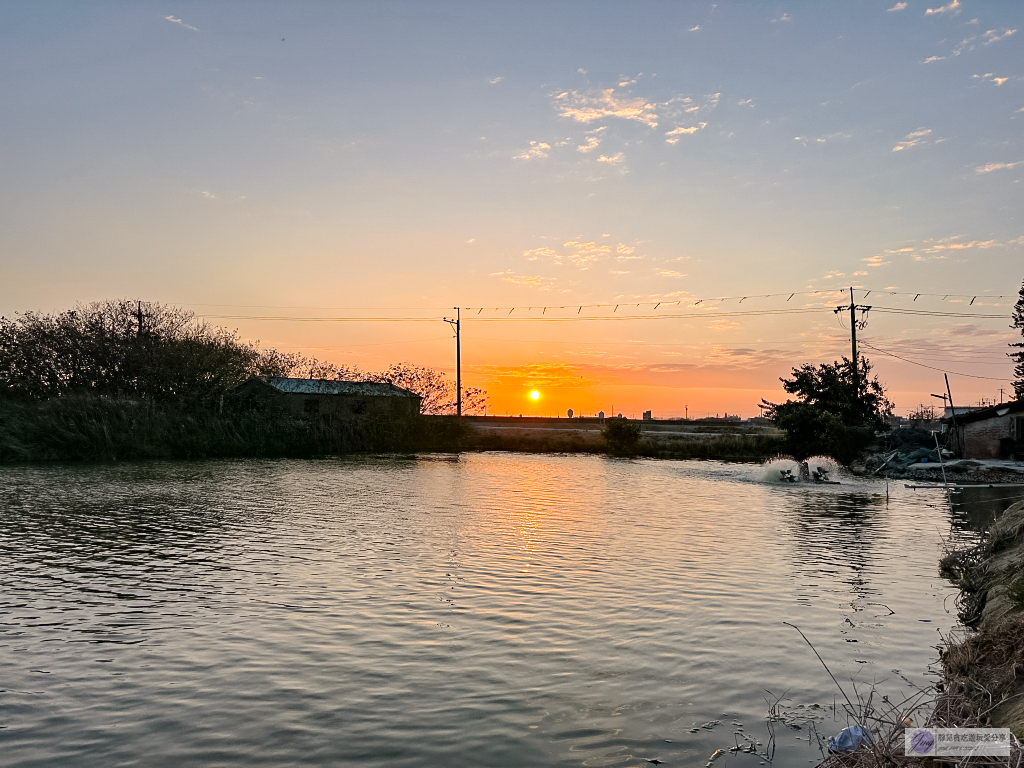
(329, 399)
(996, 432)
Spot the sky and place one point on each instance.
(545, 167)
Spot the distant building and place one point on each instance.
(322, 397)
(996, 432)
(647, 416)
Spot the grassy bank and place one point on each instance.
(117, 429)
(708, 445)
(102, 429)
(984, 672)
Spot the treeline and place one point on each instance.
(128, 380)
(128, 349)
(161, 354)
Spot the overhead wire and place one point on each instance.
(932, 367)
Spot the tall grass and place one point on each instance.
(103, 429)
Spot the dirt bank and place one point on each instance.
(984, 673)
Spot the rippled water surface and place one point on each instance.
(485, 610)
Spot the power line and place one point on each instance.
(932, 367)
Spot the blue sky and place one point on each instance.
(421, 155)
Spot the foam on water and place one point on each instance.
(772, 470)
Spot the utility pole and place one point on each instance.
(952, 418)
(457, 325)
(853, 307)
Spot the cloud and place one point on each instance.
(951, 7)
(898, 7)
(534, 281)
(783, 17)
(671, 273)
(997, 166)
(182, 23)
(695, 28)
(991, 78)
(930, 59)
(588, 106)
(912, 139)
(536, 253)
(876, 261)
(969, 329)
(618, 157)
(604, 103)
(536, 149)
(994, 37)
(592, 143)
(583, 253)
(676, 133)
(495, 80)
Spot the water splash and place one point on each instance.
(775, 470)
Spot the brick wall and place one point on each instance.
(981, 438)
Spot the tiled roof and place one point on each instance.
(328, 387)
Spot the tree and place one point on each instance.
(832, 415)
(621, 436)
(128, 349)
(1018, 357)
(437, 392)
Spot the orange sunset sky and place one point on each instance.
(638, 206)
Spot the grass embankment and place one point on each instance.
(984, 672)
(111, 429)
(101, 429)
(711, 445)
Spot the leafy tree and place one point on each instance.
(621, 436)
(1018, 357)
(152, 351)
(129, 349)
(832, 415)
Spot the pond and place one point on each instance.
(484, 609)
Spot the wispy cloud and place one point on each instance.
(182, 23)
(695, 28)
(675, 134)
(876, 261)
(951, 7)
(588, 106)
(912, 139)
(898, 7)
(618, 157)
(583, 253)
(930, 59)
(783, 17)
(495, 80)
(994, 37)
(535, 150)
(607, 103)
(592, 143)
(671, 273)
(997, 166)
(534, 281)
(990, 77)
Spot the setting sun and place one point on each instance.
(534, 395)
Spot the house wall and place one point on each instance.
(981, 438)
(348, 406)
